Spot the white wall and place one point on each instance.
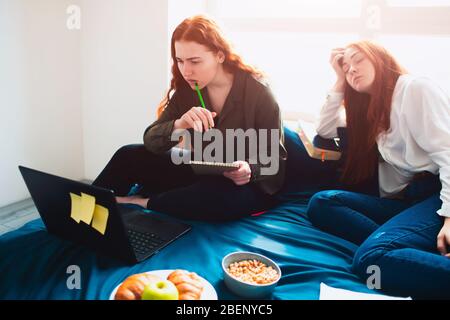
(40, 93)
(124, 74)
(69, 99)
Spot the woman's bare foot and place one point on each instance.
(140, 201)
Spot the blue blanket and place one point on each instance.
(33, 263)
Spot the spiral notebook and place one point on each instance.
(212, 168)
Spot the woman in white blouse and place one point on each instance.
(398, 126)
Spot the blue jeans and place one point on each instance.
(398, 236)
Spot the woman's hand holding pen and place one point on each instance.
(336, 58)
(443, 239)
(241, 175)
(197, 118)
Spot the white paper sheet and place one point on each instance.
(330, 293)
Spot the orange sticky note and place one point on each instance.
(100, 219)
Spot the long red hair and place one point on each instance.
(204, 31)
(368, 115)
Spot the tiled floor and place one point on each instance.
(16, 215)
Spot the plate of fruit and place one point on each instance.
(164, 285)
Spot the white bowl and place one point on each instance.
(245, 289)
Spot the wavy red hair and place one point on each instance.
(368, 115)
(204, 31)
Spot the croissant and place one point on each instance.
(133, 286)
(189, 284)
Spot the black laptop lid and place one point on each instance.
(51, 195)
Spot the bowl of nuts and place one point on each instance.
(250, 275)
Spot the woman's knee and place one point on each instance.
(320, 205)
(127, 149)
(130, 152)
(368, 255)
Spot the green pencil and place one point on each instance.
(200, 95)
(201, 98)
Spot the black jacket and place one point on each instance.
(249, 104)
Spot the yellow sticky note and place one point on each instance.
(87, 208)
(75, 211)
(100, 219)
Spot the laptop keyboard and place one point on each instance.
(143, 242)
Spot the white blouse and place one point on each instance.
(418, 139)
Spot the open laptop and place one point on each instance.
(130, 234)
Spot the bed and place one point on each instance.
(34, 264)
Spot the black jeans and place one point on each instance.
(176, 190)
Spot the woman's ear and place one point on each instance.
(220, 57)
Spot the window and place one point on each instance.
(290, 40)
(423, 55)
(417, 3)
(284, 9)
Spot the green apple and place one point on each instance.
(160, 290)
